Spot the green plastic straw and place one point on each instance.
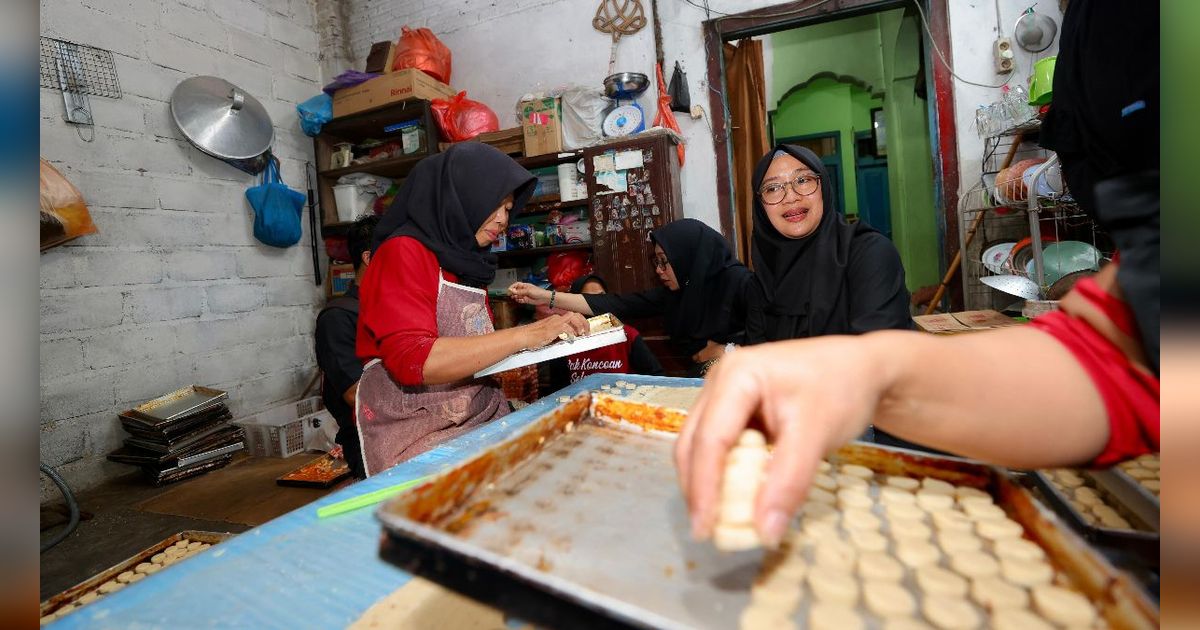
(370, 498)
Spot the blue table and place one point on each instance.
(299, 571)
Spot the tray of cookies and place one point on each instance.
(577, 521)
(141, 565)
(1108, 510)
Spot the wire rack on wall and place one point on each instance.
(77, 68)
(999, 222)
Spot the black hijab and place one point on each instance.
(803, 280)
(577, 286)
(710, 280)
(445, 200)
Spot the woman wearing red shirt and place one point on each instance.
(424, 327)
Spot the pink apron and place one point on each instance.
(397, 422)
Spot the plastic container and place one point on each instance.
(280, 430)
(1041, 84)
(350, 201)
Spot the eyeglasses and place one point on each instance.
(660, 262)
(804, 185)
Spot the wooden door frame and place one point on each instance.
(791, 15)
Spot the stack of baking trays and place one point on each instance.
(577, 521)
(180, 435)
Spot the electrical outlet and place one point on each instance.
(1002, 55)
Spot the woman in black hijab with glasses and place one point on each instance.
(818, 274)
(703, 299)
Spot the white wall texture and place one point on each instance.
(505, 49)
(174, 289)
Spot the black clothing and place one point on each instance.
(337, 325)
(446, 199)
(713, 289)
(840, 279)
(1104, 125)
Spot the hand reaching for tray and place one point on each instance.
(548, 330)
(525, 293)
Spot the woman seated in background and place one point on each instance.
(818, 274)
(424, 327)
(631, 357)
(702, 301)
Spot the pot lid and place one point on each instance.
(221, 119)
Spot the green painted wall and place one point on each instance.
(875, 58)
(828, 105)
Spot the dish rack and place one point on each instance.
(1032, 222)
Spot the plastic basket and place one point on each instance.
(280, 430)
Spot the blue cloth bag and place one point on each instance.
(277, 208)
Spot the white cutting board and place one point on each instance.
(556, 350)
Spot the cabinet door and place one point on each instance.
(627, 204)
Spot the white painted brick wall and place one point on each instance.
(174, 290)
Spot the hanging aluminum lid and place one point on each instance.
(221, 119)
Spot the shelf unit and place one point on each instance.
(1038, 219)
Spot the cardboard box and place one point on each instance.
(963, 322)
(387, 89)
(541, 124)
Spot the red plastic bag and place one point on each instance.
(460, 118)
(563, 268)
(421, 49)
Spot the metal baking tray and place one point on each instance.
(178, 404)
(1142, 544)
(72, 595)
(577, 522)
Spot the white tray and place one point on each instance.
(556, 350)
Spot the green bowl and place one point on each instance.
(1041, 84)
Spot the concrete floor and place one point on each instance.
(120, 525)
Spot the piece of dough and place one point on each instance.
(784, 598)
(824, 466)
(937, 486)
(935, 580)
(1063, 606)
(957, 542)
(904, 529)
(1026, 572)
(764, 618)
(995, 593)
(1102, 511)
(888, 599)
(111, 586)
(1114, 522)
(833, 616)
(999, 530)
(904, 511)
(950, 612)
(743, 475)
(158, 558)
(1018, 548)
(1142, 473)
(1018, 619)
(180, 544)
(868, 540)
(975, 564)
(125, 576)
(984, 511)
(917, 553)
(850, 481)
(137, 577)
(951, 521)
(735, 537)
(856, 518)
(820, 495)
(889, 495)
(904, 483)
(835, 554)
(855, 470)
(88, 598)
(1153, 485)
(966, 492)
(825, 482)
(143, 567)
(851, 498)
(879, 566)
(833, 586)
(934, 500)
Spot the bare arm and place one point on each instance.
(967, 394)
(455, 358)
(525, 293)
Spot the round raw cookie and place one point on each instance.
(1153, 485)
(48, 618)
(735, 537)
(833, 616)
(858, 518)
(158, 558)
(789, 569)
(904, 483)
(1018, 619)
(783, 598)
(1068, 479)
(905, 623)
(764, 618)
(888, 599)
(818, 495)
(1017, 548)
(854, 498)
(1063, 606)
(949, 612)
(820, 529)
(937, 485)
(143, 568)
(1114, 522)
(975, 564)
(1088, 496)
(833, 586)
(824, 466)
(956, 542)
(995, 593)
(180, 544)
(1102, 511)
(889, 495)
(917, 553)
(984, 511)
(825, 482)
(1142, 473)
(111, 586)
(951, 521)
(855, 470)
(934, 500)
(935, 580)
(968, 492)
(905, 529)
(879, 566)
(125, 576)
(835, 554)
(88, 598)
(867, 540)
(1026, 572)
(999, 529)
(137, 577)
(850, 481)
(194, 545)
(904, 511)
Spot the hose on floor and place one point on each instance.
(71, 505)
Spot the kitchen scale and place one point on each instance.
(625, 118)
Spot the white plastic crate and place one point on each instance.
(280, 430)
